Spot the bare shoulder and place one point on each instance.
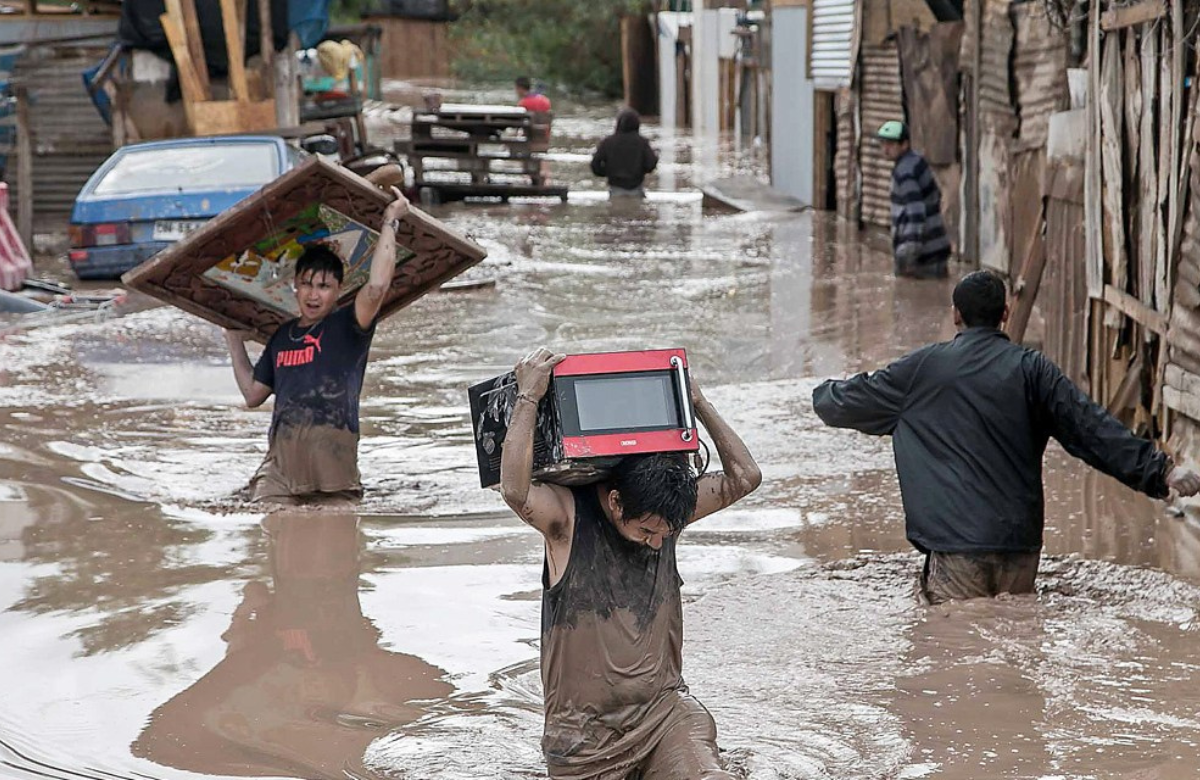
(550, 509)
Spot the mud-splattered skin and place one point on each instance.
(123, 557)
(612, 640)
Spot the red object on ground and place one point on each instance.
(534, 102)
(15, 265)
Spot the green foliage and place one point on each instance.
(575, 44)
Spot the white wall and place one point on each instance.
(792, 102)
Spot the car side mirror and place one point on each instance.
(320, 144)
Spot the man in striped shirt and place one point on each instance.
(919, 242)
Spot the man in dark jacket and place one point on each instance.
(969, 421)
(625, 157)
(920, 245)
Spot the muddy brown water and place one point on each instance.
(155, 627)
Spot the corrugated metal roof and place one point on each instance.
(1040, 67)
(832, 41)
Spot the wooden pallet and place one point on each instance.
(449, 147)
(449, 192)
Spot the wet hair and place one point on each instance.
(319, 258)
(524, 83)
(980, 299)
(660, 484)
(628, 121)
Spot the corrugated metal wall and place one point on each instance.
(845, 162)
(832, 43)
(69, 138)
(997, 126)
(1040, 68)
(882, 100)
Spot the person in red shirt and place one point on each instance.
(530, 99)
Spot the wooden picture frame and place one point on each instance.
(236, 270)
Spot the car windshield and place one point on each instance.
(191, 169)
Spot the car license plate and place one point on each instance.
(175, 229)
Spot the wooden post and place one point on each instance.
(189, 77)
(235, 50)
(184, 13)
(1030, 279)
(24, 170)
(287, 88)
(266, 41)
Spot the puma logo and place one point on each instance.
(313, 341)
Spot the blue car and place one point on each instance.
(149, 195)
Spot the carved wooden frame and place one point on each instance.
(177, 274)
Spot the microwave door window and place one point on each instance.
(624, 403)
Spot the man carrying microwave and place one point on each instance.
(617, 707)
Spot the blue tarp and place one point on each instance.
(309, 19)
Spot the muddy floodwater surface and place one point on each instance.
(156, 626)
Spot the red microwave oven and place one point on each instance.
(599, 408)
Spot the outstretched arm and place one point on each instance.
(548, 508)
(740, 475)
(383, 264)
(1086, 430)
(253, 391)
(870, 403)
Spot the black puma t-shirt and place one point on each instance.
(316, 372)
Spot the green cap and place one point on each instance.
(893, 131)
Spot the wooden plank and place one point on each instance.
(1128, 16)
(1183, 343)
(1175, 207)
(1134, 309)
(223, 117)
(236, 50)
(1183, 192)
(1164, 201)
(1026, 289)
(1092, 186)
(287, 85)
(24, 169)
(1180, 379)
(1148, 180)
(266, 43)
(189, 82)
(1188, 403)
(1184, 360)
(1111, 97)
(184, 14)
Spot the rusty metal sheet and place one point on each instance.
(881, 100)
(995, 93)
(1063, 296)
(236, 270)
(929, 65)
(1040, 69)
(845, 157)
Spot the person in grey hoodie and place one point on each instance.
(625, 157)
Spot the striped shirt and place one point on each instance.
(918, 232)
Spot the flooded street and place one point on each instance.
(157, 626)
